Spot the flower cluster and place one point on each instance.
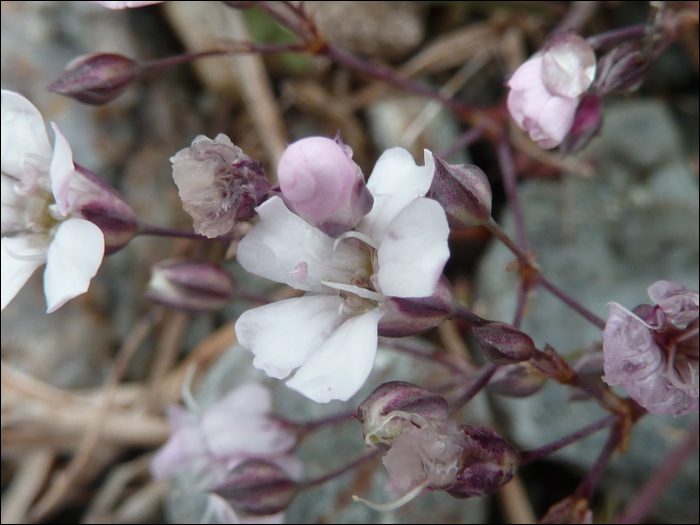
(395, 251)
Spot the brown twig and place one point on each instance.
(26, 484)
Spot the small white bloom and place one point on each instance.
(399, 249)
(38, 224)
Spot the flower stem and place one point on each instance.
(527, 456)
(308, 426)
(642, 503)
(590, 482)
(510, 183)
(147, 229)
(459, 367)
(306, 484)
(570, 301)
(463, 141)
(479, 383)
(609, 37)
(465, 314)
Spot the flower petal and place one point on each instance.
(22, 133)
(62, 169)
(74, 256)
(19, 257)
(414, 250)
(341, 366)
(678, 303)
(395, 181)
(283, 335)
(281, 241)
(186, 445)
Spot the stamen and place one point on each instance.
(410, 495)
(416, 419)
(362, 292)
(357, 235)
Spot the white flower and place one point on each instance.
(38, 197)
(399, 249)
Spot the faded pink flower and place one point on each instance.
(399, 249)
(323, 185)
(545, 90)
(43, 196)
(208, 444)
(653, 350)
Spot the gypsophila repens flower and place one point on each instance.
(652, 351)
(398, 249)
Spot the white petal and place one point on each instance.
(62, 169)
(74, 257)
(12, 206)
(22, 132)
(414, 250)
(19, 257)
(341, 366)
(282, 240)
(185, 445)
(395, 181)
(283, 335)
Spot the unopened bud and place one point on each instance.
(464, 192)
(219, 185)
(517, 380)
(389, 410)
(415, 315)
(323, 185)
(488, 462)
(623, 69)
(587, 123)
(96, 79)
(550, 364)
(502, 344)
(190, 285)
(94, 200)
(257, 488)
(568, 65)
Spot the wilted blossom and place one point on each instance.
(219, 185)
(398, 249)
(653, 350)
(545, 90)
(209, 444)
(53, 211)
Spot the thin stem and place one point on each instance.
(502, 236)
(435, 357)
(464, 140)
(465, 314)
(306, 484)
(328, 420)
(479, 383)
(510, 183)
(570, 301)
(527, 456)
(609, 37)
(580, 12)
(642, 503)
(590, 482)
(523, 289)
(147, 229)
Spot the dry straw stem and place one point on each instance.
(32, 471)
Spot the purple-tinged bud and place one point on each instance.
(570, 510)
(257, 488)
(407, 316)
(518, 380)
(92, 199)
(550, 364)
(391, 408)
(219, 185)
(190, 285)
(463, 190)
(96, 79)
(503, 344)
(323, 185)
(488, 462)
(587, 123)
(622, 70)
(568, 65)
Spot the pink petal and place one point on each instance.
(62, 169)
(20, 256)
(414, 250)
(281, 241)
(678, 303)
(555, 121)
(23, 133)
(74, 256)
(395, 181)
(125, 5)
(184, 446)
(283, 335)
(341, 366)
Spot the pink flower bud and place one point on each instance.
(503, 344)
(587, 123)
(96, 79)
(257, 488)
(415, 315)
(323, 185)
(568, 65)
(388, 411)
(219, 185)
(464, 192)
(518, 380)
(623, 69)
(190, 285)
(91, 198)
